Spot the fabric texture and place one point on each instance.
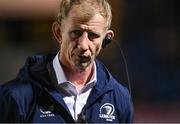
(33, 96)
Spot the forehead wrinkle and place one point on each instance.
(88, 27)
(94, 22)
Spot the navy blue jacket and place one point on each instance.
(33, 96)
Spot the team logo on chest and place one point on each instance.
(47, 113)
(107, 111)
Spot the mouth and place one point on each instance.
(84, 59)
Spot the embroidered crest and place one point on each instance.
(107, 111)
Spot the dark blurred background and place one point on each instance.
(147, 30)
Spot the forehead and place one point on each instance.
(93, 19)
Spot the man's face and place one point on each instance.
(81, 39)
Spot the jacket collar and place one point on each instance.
(40, 69)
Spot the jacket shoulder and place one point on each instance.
(120, 88)
(122, 94)
(16, 95)
(17, 88)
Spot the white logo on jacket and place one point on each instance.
(106, 112)
(47, 113)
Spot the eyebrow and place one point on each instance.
(88, 30)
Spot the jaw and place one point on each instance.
(76, 64)
(82, 63)
(84, 66)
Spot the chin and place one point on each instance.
(83, 66)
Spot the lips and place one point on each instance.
(84, 59)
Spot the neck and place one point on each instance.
(79, 77)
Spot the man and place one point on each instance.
(71, 86)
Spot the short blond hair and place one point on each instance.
(88, 8)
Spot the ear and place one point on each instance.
(57, 31)
(110, 34)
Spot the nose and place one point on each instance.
(83, 41)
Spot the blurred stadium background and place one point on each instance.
(147, 30)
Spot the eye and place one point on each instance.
(92, 35)
(75, 34)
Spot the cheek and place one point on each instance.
(65, 48)
(97, 49)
